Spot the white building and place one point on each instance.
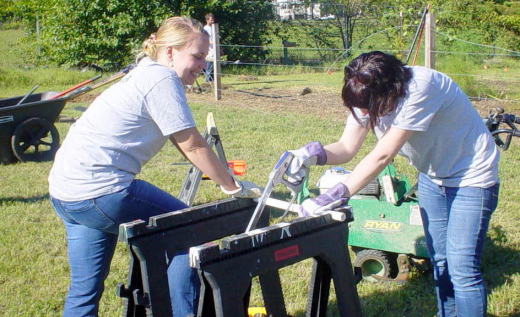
(296, 9)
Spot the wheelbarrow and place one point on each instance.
(27, 131)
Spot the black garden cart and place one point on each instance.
(27, 131)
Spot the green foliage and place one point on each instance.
(27, 11)
(321, 35)
(6, 10)
(484, 21)
(397, 22)
(107, 33)
(101, 32)
(242, 22)
(509, 21)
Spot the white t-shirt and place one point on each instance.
(451, 143)
(211, 51)
(121, 130)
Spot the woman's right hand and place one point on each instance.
(311, 154)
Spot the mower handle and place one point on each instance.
(497, 117)
(508, 118)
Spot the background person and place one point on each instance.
(423, 115)
(208, 68)
(92, 183)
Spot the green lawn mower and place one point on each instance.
(387, 234)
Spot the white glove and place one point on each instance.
(311, 154)
(245, 190)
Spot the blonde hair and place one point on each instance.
(174, 32)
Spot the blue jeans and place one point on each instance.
(92, 228)
(455, 222)
(208, 72)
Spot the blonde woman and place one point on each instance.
(92, 183)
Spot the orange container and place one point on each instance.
(238, 167)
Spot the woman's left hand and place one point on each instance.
(245, 190)
(332, 198)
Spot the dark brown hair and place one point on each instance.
(375, 81)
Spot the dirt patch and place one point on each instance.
(86, 98)
(485, 106)
(321, 103)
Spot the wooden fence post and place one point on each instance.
(429, 41)
(217, 85)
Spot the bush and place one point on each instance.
(243, 23)
(107, 33)
(98, 32)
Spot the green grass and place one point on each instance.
(18, 76)
(33, 264)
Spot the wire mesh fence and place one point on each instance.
(473, 65)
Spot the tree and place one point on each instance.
(27, 11)
(346, 13)
(397, 22)
(245, 23)
(107, 33)
(7, 10)
(509, 22)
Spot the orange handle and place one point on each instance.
(83, 83)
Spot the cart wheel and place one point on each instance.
(373, 262)
(35, 140)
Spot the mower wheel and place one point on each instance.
(373, 262)
(35, 139)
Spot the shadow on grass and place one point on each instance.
(11, 200)
(412, 299)
(415, 298)
(499, 262)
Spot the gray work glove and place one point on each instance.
(331, 199)
(312, 153)
(245, 190)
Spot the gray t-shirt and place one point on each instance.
(451, 144)
(120, 131)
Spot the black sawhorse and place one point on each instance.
(152, 245)
(260, 253)
(227, 270)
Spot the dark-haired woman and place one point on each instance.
(424, 116)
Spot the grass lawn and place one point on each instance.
(33, 263)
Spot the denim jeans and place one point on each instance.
(208, 72)
(92, 228)
(455, 222)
